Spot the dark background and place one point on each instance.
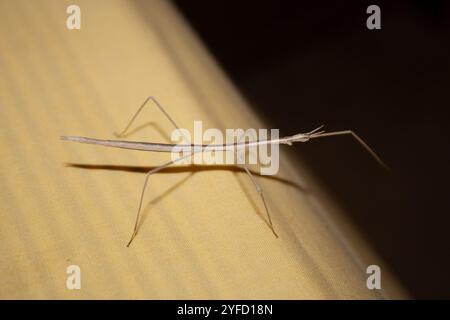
(302, 64)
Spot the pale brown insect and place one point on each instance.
(195, 148)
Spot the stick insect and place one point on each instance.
(192, 149)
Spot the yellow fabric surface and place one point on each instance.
(203, 233)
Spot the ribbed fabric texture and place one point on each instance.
(203, 232)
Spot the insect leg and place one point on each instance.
(259, 190)
(160, 107)
(357, 138)
(149, 173)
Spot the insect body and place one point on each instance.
(192, 149)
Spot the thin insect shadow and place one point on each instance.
(192, 169)
(186, 168)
